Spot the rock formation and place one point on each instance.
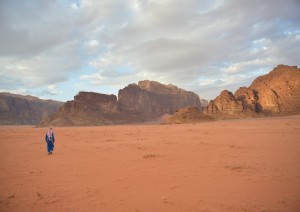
(155, 99)
(144, 102)
(275, 93)
(29, 110)
(87, 108)
(225, 103)
(188, 115)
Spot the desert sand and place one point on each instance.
(229, 165)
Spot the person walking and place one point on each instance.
(50, 141)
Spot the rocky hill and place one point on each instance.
(276, 93)
(142, 102)
(25, 110)
(188, 115)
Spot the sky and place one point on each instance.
(54, 49)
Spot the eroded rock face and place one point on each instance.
(90, 102)
(136, 103)
(275, 93)
(225, 103)
(18, 109)
(87, 108)
(278, 91)
(153, 98)
(188, 115)
(228, 104)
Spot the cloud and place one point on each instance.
(96, 79)
(203, 46)
(47, 68)
(92, 43)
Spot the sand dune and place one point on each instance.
(232, 165)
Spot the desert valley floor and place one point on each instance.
(230, 165)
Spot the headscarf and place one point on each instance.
(49, 133)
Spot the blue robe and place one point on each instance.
(50, 142)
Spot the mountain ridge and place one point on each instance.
(136, 103)
(16, 109)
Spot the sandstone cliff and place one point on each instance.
(144, 102)
(87, 108)
(225, 103)
(275, 93)
(28, 110)
(155, 99)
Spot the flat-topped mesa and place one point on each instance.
(153, 98)
(92, 96)
(87, 108)
(277, 92)
(91, 102)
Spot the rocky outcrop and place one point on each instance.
(87, 108)
(25, 110)
(225, 103)
(188, 115)
(275, 93)
(90, 102)
(144, 102)
(155, 99)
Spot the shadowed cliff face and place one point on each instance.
(89, 102)
(275, 93)
(144, 102)
(150, 97)
(87, 108)
(18, 109)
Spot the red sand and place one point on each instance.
(233, 165)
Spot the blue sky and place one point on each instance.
(54, 49)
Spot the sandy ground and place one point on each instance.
(233, 165)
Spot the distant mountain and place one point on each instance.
(136, 103)
(204, 103)
(276, 93)
(25, 110)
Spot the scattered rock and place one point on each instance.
(149, 156)
(188, 115)
(11, 196)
